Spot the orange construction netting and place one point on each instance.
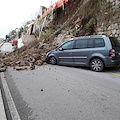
(58, 4)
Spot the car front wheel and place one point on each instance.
(96, 65)
(52, 60)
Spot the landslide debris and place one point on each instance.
(29, 56)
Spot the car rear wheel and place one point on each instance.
(96, 64)
(52, 60)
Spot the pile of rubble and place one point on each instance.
(26, 57)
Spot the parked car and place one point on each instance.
(95, 51)
(14, 43)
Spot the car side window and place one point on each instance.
(80, 44)
(90, 43)
(99, 42)
(67, 46)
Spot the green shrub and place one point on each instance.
(90, 24)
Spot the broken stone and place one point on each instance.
(32, 60)
(41, 89)
(22, 63)
(2, 65)
(18, 62)
(44, 63)
(39, 62)
(2, 69)
(21, 68)
(27, 63)
(43, 58)
(32, 67)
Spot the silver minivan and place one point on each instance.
(96, 52)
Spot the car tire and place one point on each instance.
(52, 60)
(97, 65)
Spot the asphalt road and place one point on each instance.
(65, 93)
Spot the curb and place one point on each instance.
(11, 105)
(2, 110)
(1, 44)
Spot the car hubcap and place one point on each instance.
(52, 60)
(96, 65)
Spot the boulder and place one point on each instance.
(21, 68)
(2, 65)
(39, 62)
(2, 69)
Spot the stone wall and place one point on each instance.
(111, 27)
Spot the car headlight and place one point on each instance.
(47, 54)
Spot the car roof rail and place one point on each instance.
(90, 36)
(97, 36)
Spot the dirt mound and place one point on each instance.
(29, 55)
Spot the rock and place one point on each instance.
(39, 62)
(36, 56)
(32, 66)
(41, 89)
(2, 65)
(114, 31)
(27, 63)
(21, 68)
(32, 60)
(43, 57)
(43, 46)
(18, 62)
(2, 69)
(109, 33)
(44, 63)
(22, 63)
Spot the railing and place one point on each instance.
(58, 4)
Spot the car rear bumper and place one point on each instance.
(112, 63)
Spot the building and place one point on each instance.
(1, 39)
(42, 10)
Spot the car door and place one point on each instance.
(65, 53)
(83, 49)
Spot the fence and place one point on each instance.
(58, 4)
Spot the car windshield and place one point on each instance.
(115, 42)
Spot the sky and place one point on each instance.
(14, 13)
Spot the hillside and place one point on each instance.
(76, 18)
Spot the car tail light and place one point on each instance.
(112, 53)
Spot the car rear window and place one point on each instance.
(115, 42)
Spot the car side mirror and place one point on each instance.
(60, 49)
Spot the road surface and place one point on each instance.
(65, 93)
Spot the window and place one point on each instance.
(115, 42)
(68, 45)
(99, 42)
(80, 44)
(90, 43)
